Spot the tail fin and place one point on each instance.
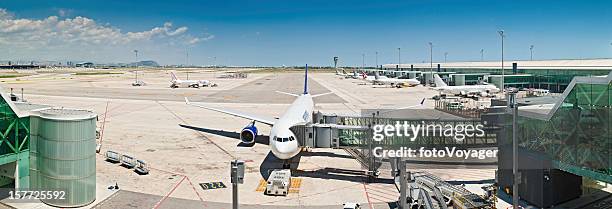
(438, 81)
(306, 80)
(376, 76)
(174, 78)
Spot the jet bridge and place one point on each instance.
(338, 131)
(424, 190)
(354, 134)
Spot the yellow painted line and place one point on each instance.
(296, 183)
(262, 186)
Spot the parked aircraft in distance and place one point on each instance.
(178, 83)
(395, 82)
(467, 90)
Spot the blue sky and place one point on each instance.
(277, 32)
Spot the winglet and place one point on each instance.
(187, 100)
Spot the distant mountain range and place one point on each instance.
(144, 63)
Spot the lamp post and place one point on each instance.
(376, 59)
(187, 62)
(136, 52)
(531, 52)
(430, 57)
(502, 35)
(481, 55)
(363, 61)
(136, 71)
(445, 55)
(399, 56)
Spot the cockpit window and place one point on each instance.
(279, 139)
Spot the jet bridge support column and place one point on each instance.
(401, 166)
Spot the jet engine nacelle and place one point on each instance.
(248, 133)
(484, 94)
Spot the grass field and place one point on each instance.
(11, 75)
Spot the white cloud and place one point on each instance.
(5, 14)
(64, 12)
(82, 31)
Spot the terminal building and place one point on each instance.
(554, 75)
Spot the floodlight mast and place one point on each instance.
(376, 59)
(531, 52)
(502, 35)
(430, 57)
(481, 55)
(399, 56)
(445, 55)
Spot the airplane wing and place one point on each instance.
(403, 108)
(261, 119)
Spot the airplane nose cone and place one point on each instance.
(286, 148)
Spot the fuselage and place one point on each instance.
(468, 88)
(189, 83)
(283, 142)
(386, 80)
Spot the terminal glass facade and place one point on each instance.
(14, 143)
(555, 80)
(578, 136)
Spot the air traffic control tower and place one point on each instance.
(46, 148)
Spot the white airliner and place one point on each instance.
(283, 142)
(178, 83)
(384, 80)
(395, 82)
(364, 76)
(480, 90)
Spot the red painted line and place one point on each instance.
(196, 191)
(104, 123)
(367, 196)
(188, 180)
(169, 193)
